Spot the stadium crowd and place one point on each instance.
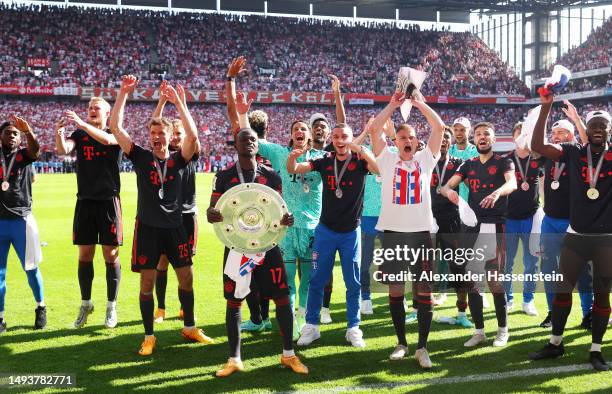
(592, 54)
(214, 127)
(78, 43)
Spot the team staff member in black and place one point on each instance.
(447, 218)
(159, 223)
(189, 208)
(589, 236)
(491, 179)
(97, 216)
(269, 278)
(15, 208)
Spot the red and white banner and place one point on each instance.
(262, 97)
(27, 90)
(40, 62)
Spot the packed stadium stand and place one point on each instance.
(46, 47)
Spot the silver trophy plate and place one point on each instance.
(251, 218)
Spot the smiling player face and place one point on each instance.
(97, 113)
(341, 137)
(598, 131)
(484, 137)
(300, 134)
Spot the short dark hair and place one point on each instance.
(259, 122)
(484, 124)
(4, 126)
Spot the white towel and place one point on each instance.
(487, 244)
(524, 139)
(466, 214)
(239, 267)
(33, 255)
(536, 232)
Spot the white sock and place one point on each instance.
(149, 336)
(41, 304)
(86, 303)
(189, 327)
(503, 330)
(288, 353)
(111, 304)
(479, 331)
(236, 359)
(556, 339)
(596, 347)
(461, 314)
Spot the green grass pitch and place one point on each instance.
(106, 360)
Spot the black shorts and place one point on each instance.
(399, 267)
(190, 223)
(576, 252)
(151, 242)
(98, 222)
(449, 237)
(269, 278)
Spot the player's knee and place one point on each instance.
(111, 254)
(87, 252)
(163, 264)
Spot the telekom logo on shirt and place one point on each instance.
(407, 186)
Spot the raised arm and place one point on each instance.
(242, 108)
(63, 146)
(191, 132)
(340, 112)
(99, 135)
(359, 140)
(182, 95)
(293, 167)
(538, 141)
(161, 103)
(572, 115)
(378, 124)
(236, 67)
(435, 122)
(23, 126)
(128, 83)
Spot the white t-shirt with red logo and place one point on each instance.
(405, 196)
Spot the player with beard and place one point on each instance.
(464, 150)
(491, 179)
(16, 210)
(449, 222)
(405, 179)
(556, 216)
(522, 206)
(97, 215)
(159, 226)
(320, 129)
(344, 172)
(303, 196)
(589, 235)
(189, 208)
(269, 277)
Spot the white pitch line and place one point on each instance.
(455, 379)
